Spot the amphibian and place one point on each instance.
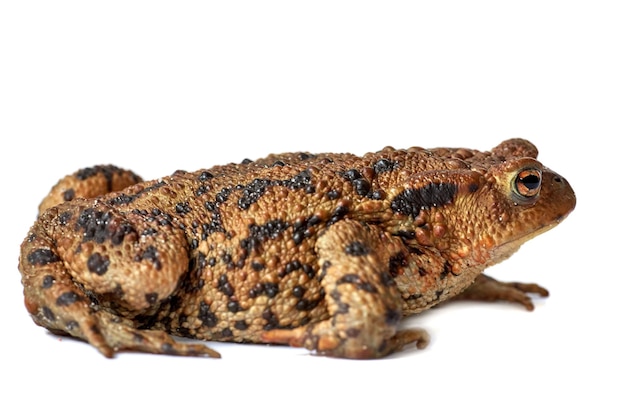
(324, 251)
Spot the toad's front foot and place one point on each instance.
(488, 289)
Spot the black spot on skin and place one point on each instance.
(121, 199)
(352, 174)
(42, 256)
(357, 248)
(313, 220)
(205, 175)
(257, 266)
(412, 201)
(106, 170)
(98, 226)
(151, 254)
(384, 165)
(356, 280)
(97, 263)
(405, 234)
(333, 194)
(256, 291)
(392, 316)
(182, 208)
(271, 289)
(47, 282)
(308, 304)
(216, 221)
(324, 270)
(386, 279)
(67, 299)
(309, 270)
(224, 286)
(241, 325)
(300, 180)
(445, 271)
(205, 315)
(349, 278)
(257, 234)
(233, 306)
(473, 187)
(298, 291)
(152, 298)
(377, 195)
(65, 217)
(300, 231)
(227, 333)
(361, 186)
(270, 318)
(253, 192)
(202, 190)
(292, 266)
(183, 331)
(69, 194)
(222, 196)
(342, 307)
(338, 214)
(48, 314)
(438, 294)
(175, 302)
(396, 263)
(124, 199)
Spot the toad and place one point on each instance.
(323, 251)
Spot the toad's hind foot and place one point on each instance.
(110, 334)
(488, 289)
(122, 336)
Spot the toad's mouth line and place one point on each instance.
(504, 251)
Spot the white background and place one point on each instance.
(158, 86)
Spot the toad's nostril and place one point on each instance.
(557, 179)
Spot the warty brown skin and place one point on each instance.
(325, 251)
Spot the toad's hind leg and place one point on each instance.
(88, 271)
(89, 182)
(363, 301)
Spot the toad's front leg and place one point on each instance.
(488, 289)
(363, 301)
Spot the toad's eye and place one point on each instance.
(527, 184)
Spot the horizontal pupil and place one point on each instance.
(531, 181)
